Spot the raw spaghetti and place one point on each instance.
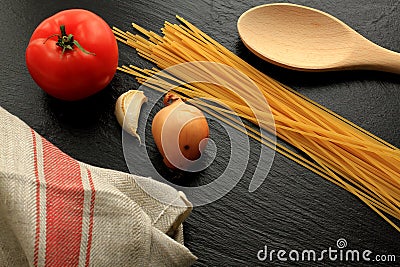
(336, 149)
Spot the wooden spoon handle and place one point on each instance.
(381, 59)
(389, 61)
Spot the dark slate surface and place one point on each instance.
(294, 208)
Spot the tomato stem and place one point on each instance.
(67, 42)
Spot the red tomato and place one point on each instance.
(71, 73)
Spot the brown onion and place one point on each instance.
(180, 132)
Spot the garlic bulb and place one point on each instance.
(128, 108)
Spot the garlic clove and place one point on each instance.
(127, 110)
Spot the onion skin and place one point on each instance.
(178, 131)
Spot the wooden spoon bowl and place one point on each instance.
(303, 38)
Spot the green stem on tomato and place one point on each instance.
(67, 42)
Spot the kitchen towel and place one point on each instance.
(57, 211)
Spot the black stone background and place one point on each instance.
(294, 208)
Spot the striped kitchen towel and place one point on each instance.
(57, 211)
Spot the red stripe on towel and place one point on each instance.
(64, 207)
(37, 212)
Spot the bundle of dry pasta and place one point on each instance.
(336, 149)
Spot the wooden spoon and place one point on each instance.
(307, 39)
